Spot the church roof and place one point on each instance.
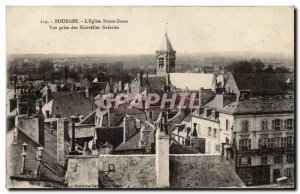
(166, 44)
(193, 81)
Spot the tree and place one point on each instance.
(269, 69)
(282, 70)
(257, 65)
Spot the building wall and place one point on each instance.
(212, 144)
(255, 133)
(128, 171)
(82, 172)
(255, 130)
(117, 171)
(225, 133)
(206, 171)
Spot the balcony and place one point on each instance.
(265, 151)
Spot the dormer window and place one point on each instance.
(213, 114)
(205, 112)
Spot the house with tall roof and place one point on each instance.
(36, 152)
(64, 104)
(253, 84)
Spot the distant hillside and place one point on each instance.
(148, 60)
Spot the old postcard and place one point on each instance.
(150, 97)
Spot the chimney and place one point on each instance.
(40, 107)
(129, 127)
(62, 135)
(162, 159)
(87, 92)
(73, 151)
(48, 94)
(81, 117)
(140, 77)
(120, 86)
(24, 154)
(229, 98)
(39, 156)
(200, 97)
(145, 139)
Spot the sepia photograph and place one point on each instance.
(167, 98)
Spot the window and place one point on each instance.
(283, 141)
(290, 123)
(213, 114)
(245, 144)
(271, 143)
(276, 124)
(277, 142)
(264, 160)
(227, 124)
(111, 167)
(161, 62)
(209, 131)
(245, 125)
(282, 127)
(290, 158)
(215, 132)
(289, 141)
(284, 124)
(244, 161)
(264, 125)
(263, 143)
(278, 159)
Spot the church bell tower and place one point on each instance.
(165, 58)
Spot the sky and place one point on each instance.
(190, 30)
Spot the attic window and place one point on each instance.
(111, 167)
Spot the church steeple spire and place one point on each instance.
(165, 57)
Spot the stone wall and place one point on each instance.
(82, 172)
(111, 171)
(127, 171)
